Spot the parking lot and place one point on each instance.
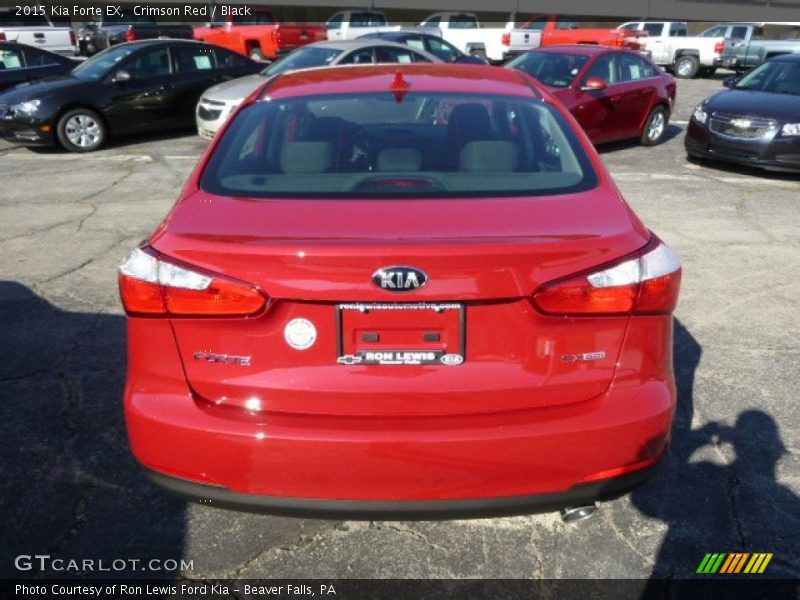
(71, 488)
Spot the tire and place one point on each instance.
(687, 66)
(708, 71)
(256, 53)
(81, 130)
(655, 126)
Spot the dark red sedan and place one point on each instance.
(412, 292)
(614, 94)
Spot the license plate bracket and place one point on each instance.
(423, 333)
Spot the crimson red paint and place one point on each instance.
(274, 363)
(632, 88)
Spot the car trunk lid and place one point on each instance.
(483, 259)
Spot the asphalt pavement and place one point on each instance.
(69, 487)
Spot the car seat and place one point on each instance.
(306, 158)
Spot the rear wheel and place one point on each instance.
(256, 53)
(687, 66)
(81, 130)
(708, 71)
(655, 126)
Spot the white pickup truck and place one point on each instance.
(465, 32)
(35, 29)
(351, 24)
(688, 56)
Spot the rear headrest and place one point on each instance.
(306, 157)
(479, 157)
(399, 159)
(469, 123)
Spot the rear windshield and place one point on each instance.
(394, 145)
(556, 70)
(303, 58)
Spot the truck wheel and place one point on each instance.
(654, 127)
(256, 53)
(81, 130)
(478, 50)
(708, 71)
(687, 66)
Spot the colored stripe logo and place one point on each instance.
(734, 563)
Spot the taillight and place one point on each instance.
(719, 47)
(130, 35)
(644, 284)
(634, 43)
(506, 40)
(2, 37)
(150, 286)
(72, 38)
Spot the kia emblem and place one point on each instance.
(400, 279)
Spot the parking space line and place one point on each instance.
(83, 158)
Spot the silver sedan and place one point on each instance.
(218, 102)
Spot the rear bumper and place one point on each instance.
(729, 62)
(579, 495)
(549, 452)
(519, 460)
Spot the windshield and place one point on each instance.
(97, 67)
(304, 58)
(390, 145)
(556, 70)
(777, 76)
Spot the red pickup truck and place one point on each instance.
(557, 29)
(255, 33)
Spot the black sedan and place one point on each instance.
(427, 42)
(129, 88)
(20, 63)
(755, 122)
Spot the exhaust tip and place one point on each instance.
(573, 514)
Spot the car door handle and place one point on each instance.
(166, 87)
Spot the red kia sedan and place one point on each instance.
(614, 94)
(412, 293)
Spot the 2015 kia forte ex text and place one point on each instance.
(400, 291)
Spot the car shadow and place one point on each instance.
(734, 169)
(709, 503)
(671, 133)
(70, 486)
(158, 136)
(122, 141)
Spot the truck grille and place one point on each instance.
(743, 128)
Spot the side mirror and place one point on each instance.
(594, 84)
(122, 76)
(731, 81)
